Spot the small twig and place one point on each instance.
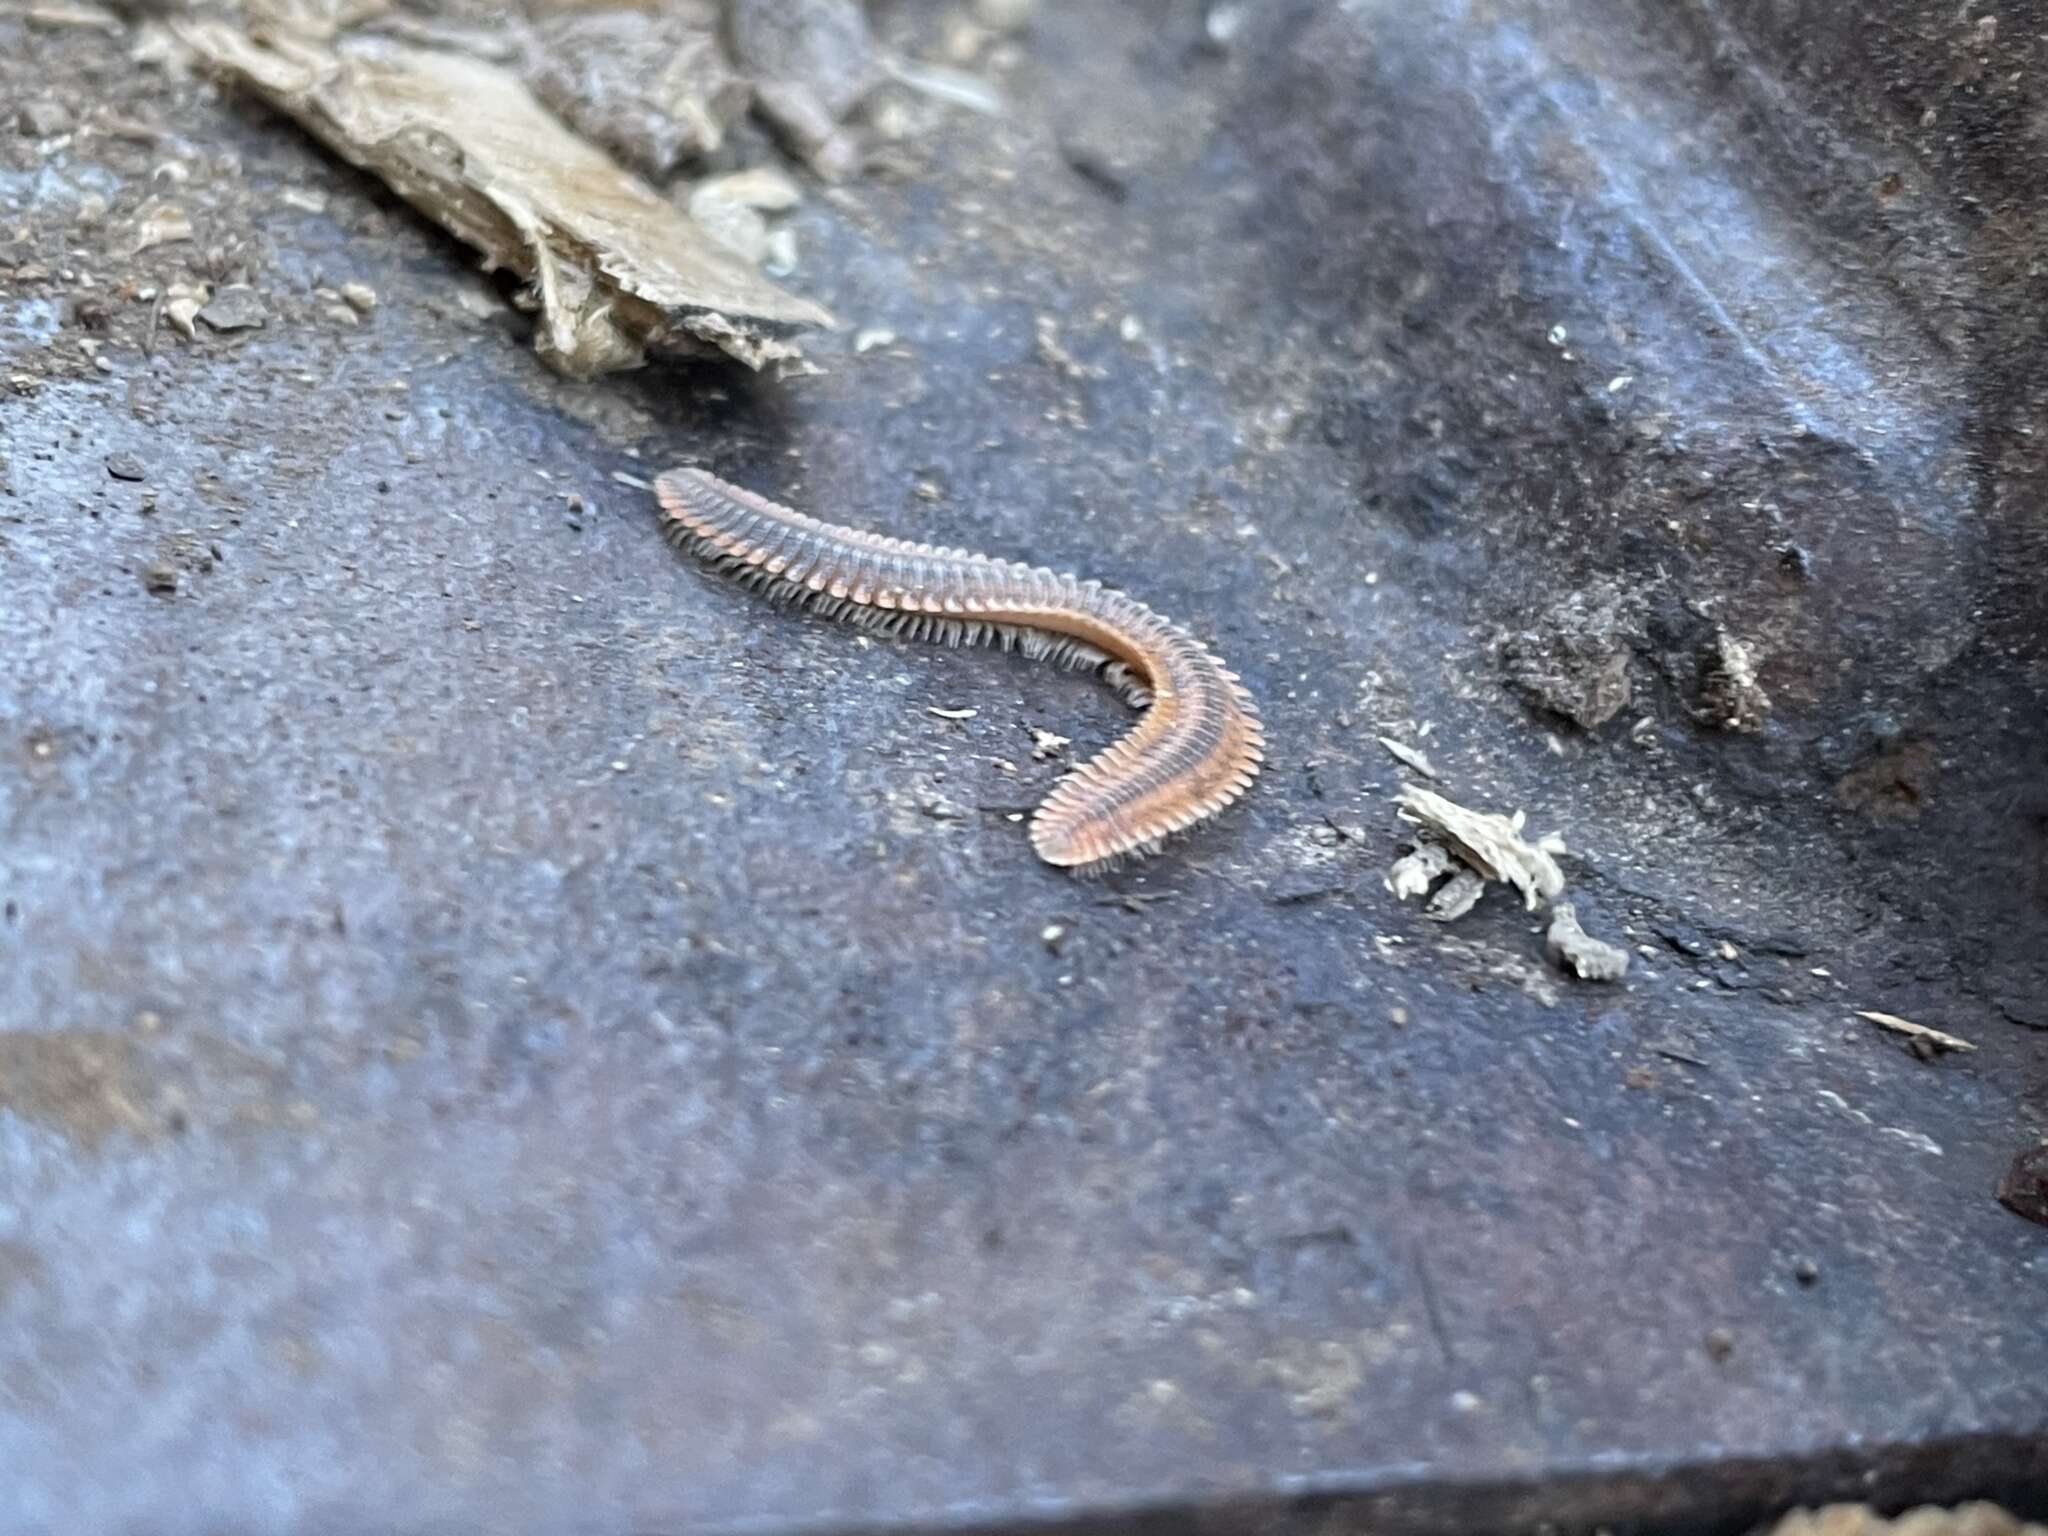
(1437, 1325)
(1673, 1053)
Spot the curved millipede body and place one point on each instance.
(1197, 748)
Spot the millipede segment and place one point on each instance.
(1196, 749)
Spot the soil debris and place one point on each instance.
(43, 119)
(614, 270)
(1730, 696)
(1005, 16)
(2024, 1189)
(1054, 351)
(1574, 663)
(1894, 784)
(237, 307)
(653, 87)
(812, 62)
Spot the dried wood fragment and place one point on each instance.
(617, 271)
(1939, 1040)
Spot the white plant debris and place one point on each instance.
(1730, 696)
(616, 270)
(731, 209)
(954, 87)
(1046, 744)
(1455, 897)
(1491, 844)
(1572, 949)
(161, 224)
(1404, 753)
(1920, 1034)
(1414, 873)
(1475, 848)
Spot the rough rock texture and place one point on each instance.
(655, 89)
(506, 1033)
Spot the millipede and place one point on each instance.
(1195, 749)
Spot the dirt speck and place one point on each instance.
(2024, 1190)
(86, 1085)
(1895, 785)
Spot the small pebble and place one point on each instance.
(124, 466)
(2024, 1190)
(361, 297)
(237, 307)
(161, 579)
(1806, 1272)
(43, 120)
(1720, 1344)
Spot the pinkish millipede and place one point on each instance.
(1195, 751)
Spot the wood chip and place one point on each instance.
(616, 268)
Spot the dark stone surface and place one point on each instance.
(502, 1032)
